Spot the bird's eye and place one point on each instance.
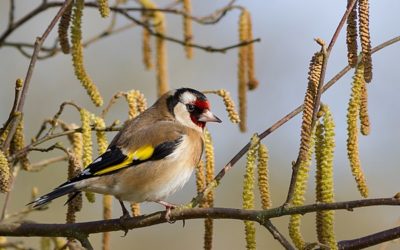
(190, 107)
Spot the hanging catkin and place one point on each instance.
(209, 175)
(77, 54)
(263, 176)
(63, 26)
(248, 191)
(363, 15)
(324, 152)
(351, 36)
(87, 146)
(352, 130)
(187, 28)
(242, 69)
(5, 174)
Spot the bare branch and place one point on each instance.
(83, 229)
(370, 240)
(38, 45)
(277, 235)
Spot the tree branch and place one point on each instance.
(38, 45)
(277, 235)
(83, 229)
(370, 240)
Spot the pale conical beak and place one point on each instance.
(207, 116)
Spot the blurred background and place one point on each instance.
(287, 30)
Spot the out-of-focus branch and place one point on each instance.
(38, 44)
(38, 166)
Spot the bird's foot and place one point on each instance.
(123, 218)
(168, 209)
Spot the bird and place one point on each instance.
(151, 157)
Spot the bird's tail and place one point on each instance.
(57, 192)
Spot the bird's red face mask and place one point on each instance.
(200, 113)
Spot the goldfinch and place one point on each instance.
(152, 156)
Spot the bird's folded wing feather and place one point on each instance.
(133, 152)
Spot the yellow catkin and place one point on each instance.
(4, 134)
(363, 16)
(251, 77)
(187, 28)
(76, 141)
(248, 191)
(59, 242)
(135, 209)
(209, 176)
(161, 58)
(137, 103)
(146, 46)
(159, 23)
(86, 137)
(104, 9)
(3, 241)
(308, 106)
(242, 66)
(107, 215)
(18, 143)
(210, 164)
(352, 130)
(200, 177)
(87, 146)
(351, 36)
(298, 196)
(75, 205)
(5, 174)
(305, 151)
(45, 243)
(77, 54)
(34, 193)
(229, 105)
(63, 30)
(102, 143)
(263, 176)
(364, 117)
(324, 152)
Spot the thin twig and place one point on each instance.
(38, 166)
(11, 14)
(13, 112)
(38, 45)
(277, 235)
(15, 121)
(370, 240)
(56, 135)
(183, 43)
(210, 19)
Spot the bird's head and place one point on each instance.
(190, 107)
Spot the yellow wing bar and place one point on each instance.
(141, 154)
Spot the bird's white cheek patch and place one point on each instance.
(183, 116)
